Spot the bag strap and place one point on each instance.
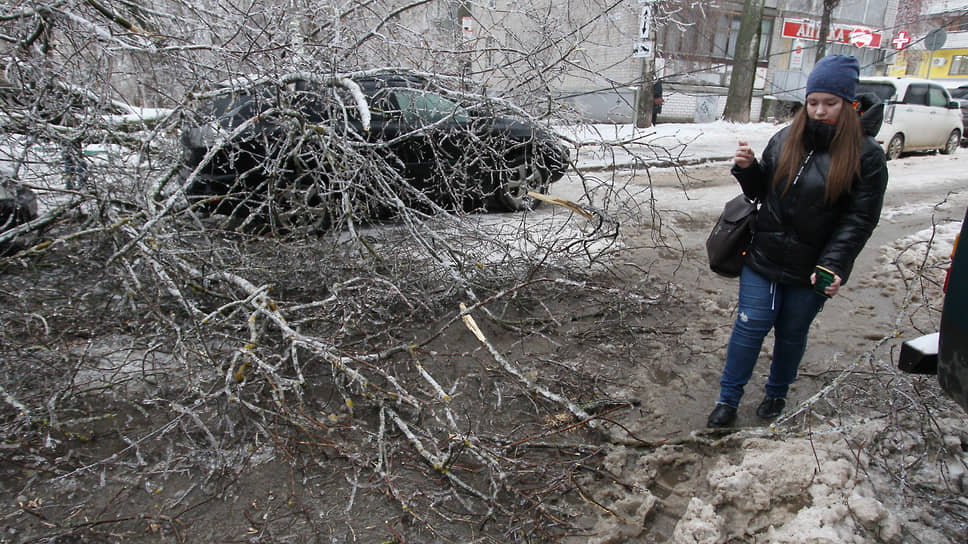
(802, 166)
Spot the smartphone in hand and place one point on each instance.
(825, 277)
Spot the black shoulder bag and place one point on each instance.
(730, 238)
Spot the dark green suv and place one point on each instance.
(385, 136)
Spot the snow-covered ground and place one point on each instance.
(756, 486)
(831, 486)
(663, 143)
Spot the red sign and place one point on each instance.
(901, 40)
(810, 30)
(861, 37)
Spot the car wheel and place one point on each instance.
(895, 147)
(954, 140)
(301, 210)
(523, 176)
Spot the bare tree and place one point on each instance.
(828, 9)
(351, 359)
(298, 329)
(744, 63)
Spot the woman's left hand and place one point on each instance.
(831, 289)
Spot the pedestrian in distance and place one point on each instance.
(657, 100)
(75, 165)
(820, 183)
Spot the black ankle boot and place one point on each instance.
(770, 408)
(722, 416)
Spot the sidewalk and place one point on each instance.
(605, 147)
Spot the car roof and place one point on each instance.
(373, 83)
(904, 80)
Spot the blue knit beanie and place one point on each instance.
(835, 74)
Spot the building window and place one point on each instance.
(913, 65)
(766, 37)
(727, 31)
(711, 39)
(959, 65)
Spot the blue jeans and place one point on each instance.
(764, 305)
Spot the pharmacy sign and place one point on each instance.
(806, 29)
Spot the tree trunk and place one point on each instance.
(643, 116)
(744, 63)
(463, 10)
(828, 9)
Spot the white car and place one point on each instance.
(919, 115)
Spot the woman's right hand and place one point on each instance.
(744, 156)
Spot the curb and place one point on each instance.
(659, 163)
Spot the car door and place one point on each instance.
(440, 149)
(940, 117)
(410, 139)
(913, 113)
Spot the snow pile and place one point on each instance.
(792, 491)
(699, 525)
(926, 253)
(853, 486)
(930, 248)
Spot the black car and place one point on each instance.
(953, 335)
(960, 95)
(303, 147)
(946, 351)
(18, 205)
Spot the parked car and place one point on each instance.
(960, 95)
(60, 105)
(919, 115)
(18, 205)
(945, 352)
(40, 120)
(953, 334)
(455, 150)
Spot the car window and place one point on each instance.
(937, 97)
(339, 104)
(916, 94)
(960, 92)
(423, 107)
(884, 91)
(381, 107)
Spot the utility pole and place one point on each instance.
(465, 22)
(645, 50)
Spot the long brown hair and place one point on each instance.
(845, 151)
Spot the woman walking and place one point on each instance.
(821, 183)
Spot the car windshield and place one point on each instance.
(421, 106)
(885, 91)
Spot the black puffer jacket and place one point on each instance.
(799, 230)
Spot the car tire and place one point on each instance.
(18, 204)
(301, 209)
(954, 141)
(895, 147)
(523, 176)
